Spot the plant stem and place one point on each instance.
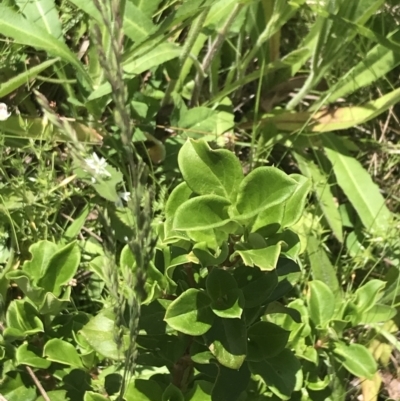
(37, 383)
(212, 51)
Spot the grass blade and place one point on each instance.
(358, 186)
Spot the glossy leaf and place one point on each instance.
(143, 390)
(294, 206)
(230, 383)
(92, 396)
(369, 294)
(61, 268)
(321, 303)
(60, 351)
(208, 171)
(202, 213)
(227, 341)
(172, 393)
(22, 320)
(15, 388)
(358, 186)
(255, 284)
(190, 313)
(266, 340)
(265, 258)
(15, 26)
(282, 373)
(269, 221)
(99, 333)
(377, 314)
(262, 188)
(356, 359)
(227, 299)
(27, 354)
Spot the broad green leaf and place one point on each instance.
(321, 266)
(56, 395)
(100, 334)
(22, 320)
(172, 393)
(15, 388)
(15, 26)
(61, 268)
(26, 283)
(369, 294)
(153, 58)
(208, 171)
(29, 355)
(202, 213)
(147, 7)
(60, 351)
(24, 77)
(264, 258)
(230, 383)
(282, 373)
(78, 223)
(269, 221)
(256, 285)
(180, 194)
(201, 391)
(323, 193)
(227, 299)
(262, 188)
(44, 14)
(266, 340)
(41, 252)
(321, 303)
(294, 206)
(358, 186)
(207, 258)
(91, 396)
(143, 390)
(227, 341)
(190, 313)
(356, 359)
(377, 314)
(202, 122)
(137, 25)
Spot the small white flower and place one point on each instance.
(97, 166)
(4, 114)
(122, 196)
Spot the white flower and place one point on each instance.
(122, 196)
(97, 166)
(4, 114)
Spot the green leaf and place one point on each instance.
(42, 252)
(60, 351)
(207, 258)
(230, 383)
(24, 77)
(137, 25)
(44, 14)
(22, 320)
(377, 314)
(264, 258)
(91, 396)
(266, 340)
(358, 186)
(227, 341)
(262, 188)
(202, 213)
(190, 313)
(356, 359)
(16, 388)
(27, 354)
(148, 7)
(143, 390)
(99, 333)
(55, 395)
(227, 299)
(321, 187)
(321, 303)
(15, 26)
(153, 58)
(369, 294)
(201, 391)
(61, 268)
(294, 206)
(172, 393)
(282, 373)
(256, 285)
(269, 221)
(208, 171)
(321, 266)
